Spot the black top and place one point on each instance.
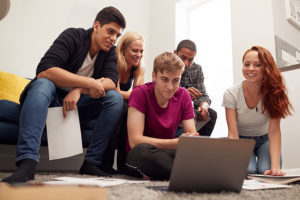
(126, 86)
(68, 52)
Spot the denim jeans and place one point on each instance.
(260, 160)
(43, 94)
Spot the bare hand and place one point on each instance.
(203, 114)
(100, 83)
(274, 172)
(70, 101)
(189, 134)
(184, 134)
(96, 89)
(194, 93)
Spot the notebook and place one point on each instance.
(205, 164)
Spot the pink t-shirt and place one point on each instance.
(161, 122)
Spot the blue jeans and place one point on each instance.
(260, 160)
(43, 94)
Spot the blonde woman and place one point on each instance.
(129, 56)
(129, 52)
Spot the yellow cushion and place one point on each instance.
(11, 86)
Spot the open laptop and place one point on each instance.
(205, 164)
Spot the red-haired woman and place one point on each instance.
(254, 109)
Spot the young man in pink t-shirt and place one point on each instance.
(154, 113)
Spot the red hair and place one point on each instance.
(274, 97)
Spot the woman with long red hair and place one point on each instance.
(255, 107)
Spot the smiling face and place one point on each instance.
(133, 53)
(104, 37)
(166, 85)
(252, 67)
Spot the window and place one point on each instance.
(208, 24)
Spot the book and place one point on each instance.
(258, 185)
(292, 177)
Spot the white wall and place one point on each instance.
(30, 28)
(162, 30)
(252, 24)
(282, 28)
(32, 25)
(194, 20)
(256, 22)
(290, 126)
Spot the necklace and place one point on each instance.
(255, 100)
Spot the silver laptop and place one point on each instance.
(210, 164)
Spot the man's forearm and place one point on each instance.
(108, 84)
(158, 142)
(63, 78)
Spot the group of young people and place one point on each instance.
(84, 70)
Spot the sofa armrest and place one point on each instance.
(9, 111)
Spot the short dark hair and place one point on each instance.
(189, 44)
(111, 14)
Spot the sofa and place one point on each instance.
(11, 87)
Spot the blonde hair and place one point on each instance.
(124, 42)
(167, 61)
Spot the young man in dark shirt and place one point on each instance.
(79, 71)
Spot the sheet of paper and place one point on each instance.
(101, 182)
(277, 177)
(257, 185)
(64, 135)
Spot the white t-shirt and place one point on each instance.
(250, 122)
(86, 69)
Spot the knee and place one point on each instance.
(42, 85)
(140, 152)
(115, 99)
(263, 157)
(113, 94)
(263, 166)
(213, 114)
(140, 149)
(252, 167)
(252, 170)
(261, 170)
